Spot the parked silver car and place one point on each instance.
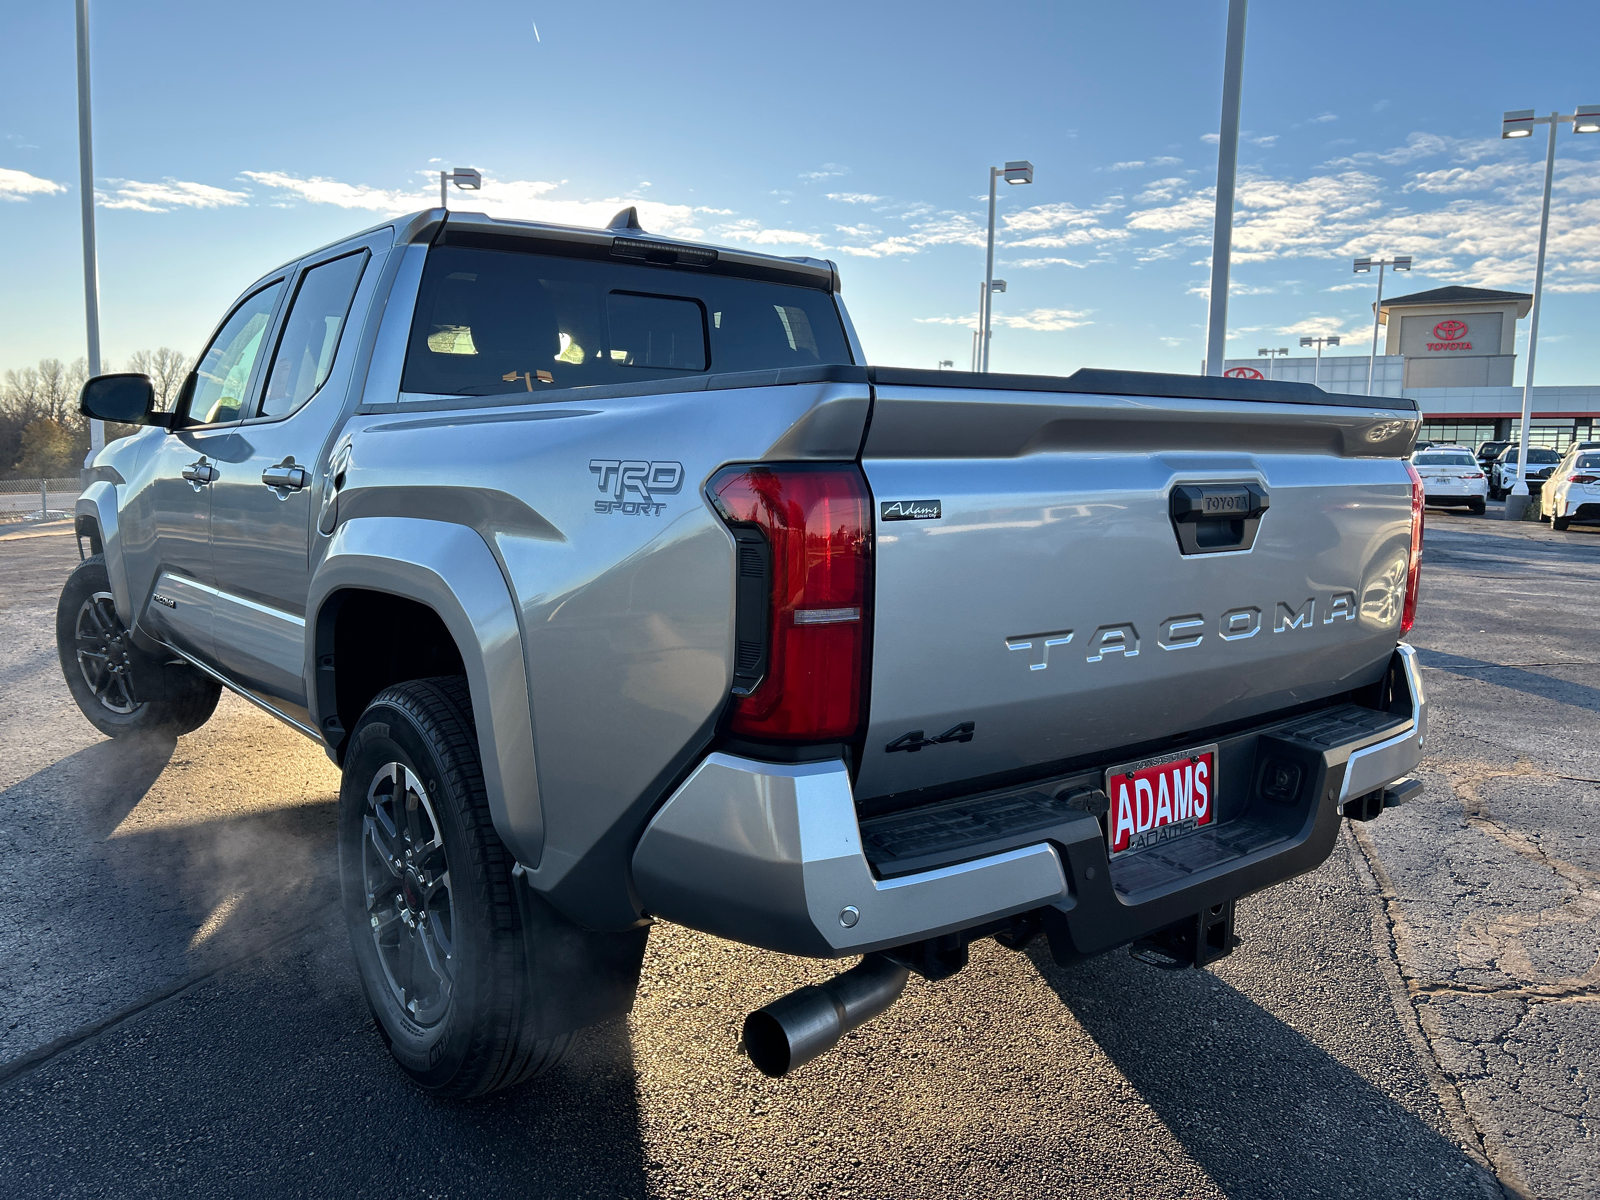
(621, 589)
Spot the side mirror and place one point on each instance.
(130, 399)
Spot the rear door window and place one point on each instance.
(499, 322)
(311, 334)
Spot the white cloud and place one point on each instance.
(855, 197)
(1324, 118)
(317, 190)
(1264, 140)
(1423, 145)
(1213, 138)
(1469, 179)
(1126, 166)
(1047, 320)
(1045, 262)
(751, 231)
(1326, 327)
(512, 199)
(1165, 160)
(168, 195)
(827, 171)
(19, 185)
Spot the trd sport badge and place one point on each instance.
(635, 484)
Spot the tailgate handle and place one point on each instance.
(1214, 518)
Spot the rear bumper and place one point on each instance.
(773, 855)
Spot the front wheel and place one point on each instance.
(121, 689)
(429, 897)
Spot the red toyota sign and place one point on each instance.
(1243, 373)
(1450, 334)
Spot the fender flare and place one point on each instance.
(98, 503)
(450, 569)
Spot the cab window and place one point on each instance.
(224, 370)
(311, 334)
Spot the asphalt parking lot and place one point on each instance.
(1417, 1018)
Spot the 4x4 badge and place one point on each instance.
(914, 740)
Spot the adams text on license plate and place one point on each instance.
(1160, 799)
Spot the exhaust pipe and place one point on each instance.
(810, 1021)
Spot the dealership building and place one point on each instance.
(1452, 350)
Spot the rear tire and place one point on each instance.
(1477, 507)
(1560, 524)
(122, 690)
(429, 900)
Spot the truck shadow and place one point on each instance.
(1252, 1099)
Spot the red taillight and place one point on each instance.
(1408, 615)
(1582, 478)
(816, 522)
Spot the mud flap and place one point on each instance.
(579, 977)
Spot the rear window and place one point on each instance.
(497, 322)
(1444, 460)
(1587, 462)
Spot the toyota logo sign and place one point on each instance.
(1450, 334)
(1243, 373)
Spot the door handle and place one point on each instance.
(200, 473)
(286, 477)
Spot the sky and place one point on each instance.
(231, 138)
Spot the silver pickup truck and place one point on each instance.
(621, 590)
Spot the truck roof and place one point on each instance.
(624, 238)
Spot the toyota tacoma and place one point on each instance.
(621, 589)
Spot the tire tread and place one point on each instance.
(503, 1050)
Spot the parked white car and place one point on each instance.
(1572, 493)
(1451, 477)
(1503, 475)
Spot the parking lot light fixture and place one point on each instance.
(1400, 262)
(1019, 171)
(463, 177)
(1271, 356)
(1519, 123)
(1319, 343)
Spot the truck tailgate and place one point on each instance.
(1051, 605)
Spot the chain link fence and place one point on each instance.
(37, 499)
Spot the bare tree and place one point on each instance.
(59, 385)
(167, 369)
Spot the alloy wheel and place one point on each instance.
(406, 880)
(105, 655)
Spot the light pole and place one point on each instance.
(1401, 262)
(1012, 172)
(1270, 356)
(1519, 124)
(980, 337)
(91, 268)
(463, 177)
(1227, 164)
(1319, 343)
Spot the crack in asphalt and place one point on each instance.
(1392, 936)
(1496, 942)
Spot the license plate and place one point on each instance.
(1157, 800)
